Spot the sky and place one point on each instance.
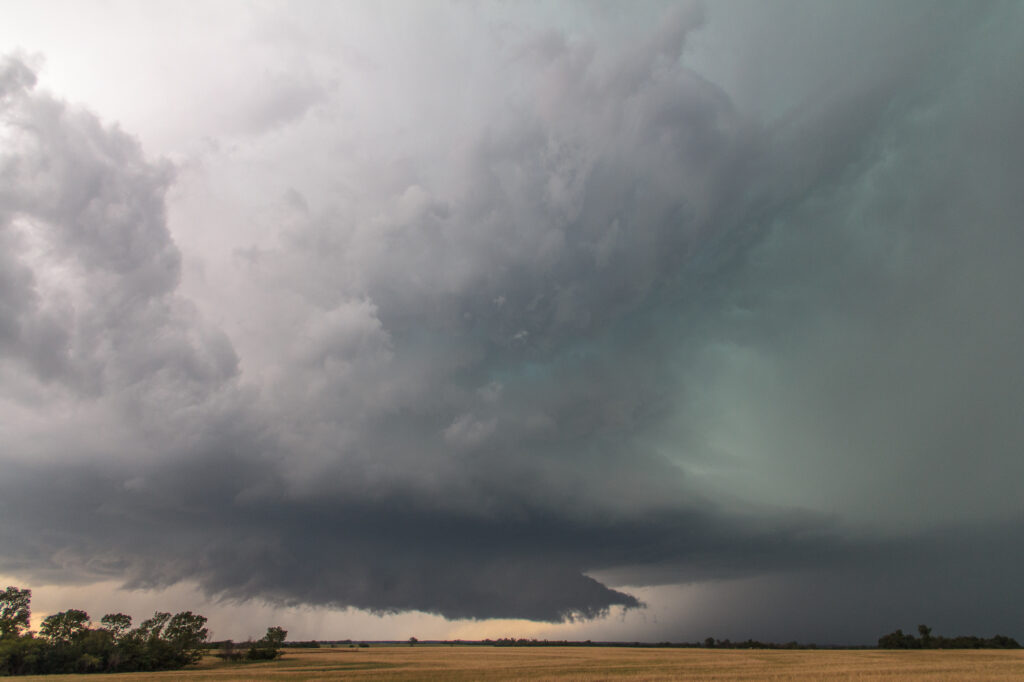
(588, 320)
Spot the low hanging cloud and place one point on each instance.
(538, 313)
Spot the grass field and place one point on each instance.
(578, 663)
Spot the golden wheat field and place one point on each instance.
(578, 663)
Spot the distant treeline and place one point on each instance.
(895, 640)
(899, 640)
(67, 642)
(230, 644)
(328, 643)
(709, 643)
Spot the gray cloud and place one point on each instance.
(540, 312)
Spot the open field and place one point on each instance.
(578, 663)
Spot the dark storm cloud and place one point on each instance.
(866, 345)
(384, 557)
(593, 325)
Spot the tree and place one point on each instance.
(65, 627)
(117, 624)
(275, 637)
(898, 640)
(186, 632)
(152, 627)
(14, 611)
(412, 641)
(926, 635)
(144, 648)
(269, 647)
(21, 655)
(69, 645)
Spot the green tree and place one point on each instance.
(21, 655)
(14, 611)
(151, 628)
(270, 646)
(65, 627)
(117, 624)
(144, 648)
(186, 632)
(898, 640)
(275, 637)
(926, 636)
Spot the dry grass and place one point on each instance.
(574, 663)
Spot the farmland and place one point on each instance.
(576, 663)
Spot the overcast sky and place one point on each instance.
(600, 320)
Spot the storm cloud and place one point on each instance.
(492, 311)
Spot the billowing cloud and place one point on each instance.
(489, 312)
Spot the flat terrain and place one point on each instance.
(578, 663)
